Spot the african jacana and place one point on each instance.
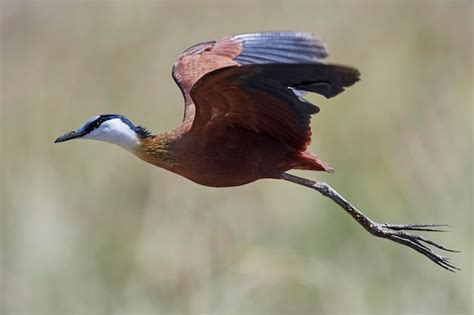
(246, 119)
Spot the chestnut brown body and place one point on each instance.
(245, 116)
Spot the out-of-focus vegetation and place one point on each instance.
(87, 228)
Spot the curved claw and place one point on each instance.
(394, 232)
(438, 259)
(417, 227)
(433, 243)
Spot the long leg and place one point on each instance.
(393, 232)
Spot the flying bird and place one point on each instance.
(246, 119)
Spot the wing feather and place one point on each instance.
(243, 49)
(259, 97)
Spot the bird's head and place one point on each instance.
(112, 128)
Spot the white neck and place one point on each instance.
(117, 132)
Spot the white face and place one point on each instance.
(113, 131)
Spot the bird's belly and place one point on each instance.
(221, 172)
(235, 163)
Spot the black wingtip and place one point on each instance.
(329, 79)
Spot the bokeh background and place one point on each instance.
(89, 229)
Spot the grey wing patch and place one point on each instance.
(323, 88)
(298, 93)
(280, 47)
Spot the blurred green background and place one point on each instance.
(89, 229)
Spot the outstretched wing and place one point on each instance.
(244, 49)
(265, 99)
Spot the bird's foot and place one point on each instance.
(396, 233)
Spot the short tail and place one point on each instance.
(309, 161)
